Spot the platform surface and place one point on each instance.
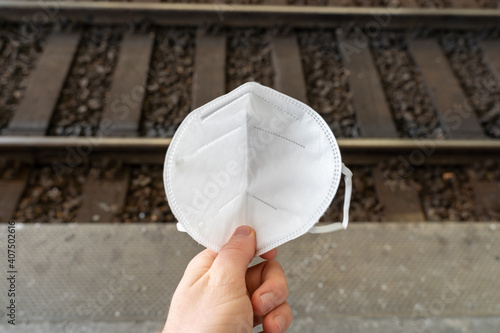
(428, 277)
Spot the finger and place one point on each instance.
(253, 278)
(235, 256)
(278, 320)
(267, 284)
(198, 266)
(270, 255)
(257, 320)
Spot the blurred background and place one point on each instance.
(91, 94)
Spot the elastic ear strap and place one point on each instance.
(320, 229)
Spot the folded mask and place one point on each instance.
(253, 157)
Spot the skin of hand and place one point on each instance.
(219, 293)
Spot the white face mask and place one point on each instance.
(253, 157)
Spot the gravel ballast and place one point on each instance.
(248, 58)
(146, 200)
(483, 90)
(412, 109)
(168, 93)
(51, 198)
(20, 47)
(327, 85)
(365, 206)
(446, 193)
(82, 100)
(488, 171)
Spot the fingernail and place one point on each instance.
(281, 322)
(242, 231)
(267, 300)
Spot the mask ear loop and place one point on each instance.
(320, 229)
(180, 227)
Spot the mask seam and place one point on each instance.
(211, 218)
(223, 99)
(262, 201)
(227, 203)
(277, 107)
(247, 162)
(216, 140)
(279, 136)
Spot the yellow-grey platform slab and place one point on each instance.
(397, 277)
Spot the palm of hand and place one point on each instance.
(219, 294)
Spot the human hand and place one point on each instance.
(219, 293)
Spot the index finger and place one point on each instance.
(270, 255)
(266, 279)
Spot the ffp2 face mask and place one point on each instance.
(253, 157)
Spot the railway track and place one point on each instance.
(120, 179)
(77, 80)
(415, 101)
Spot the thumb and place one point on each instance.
(235, 256)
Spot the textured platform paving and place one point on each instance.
(370, 278)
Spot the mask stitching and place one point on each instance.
(279, 136)
(260, 97)
(222, 100)
(248, 158)
(277, 107)
(208, 219)
(217, 140)
(221, 105)
(227, 203)
(264, 202)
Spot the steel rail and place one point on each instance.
(357, 149)
(40, 13)
(358, 144)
